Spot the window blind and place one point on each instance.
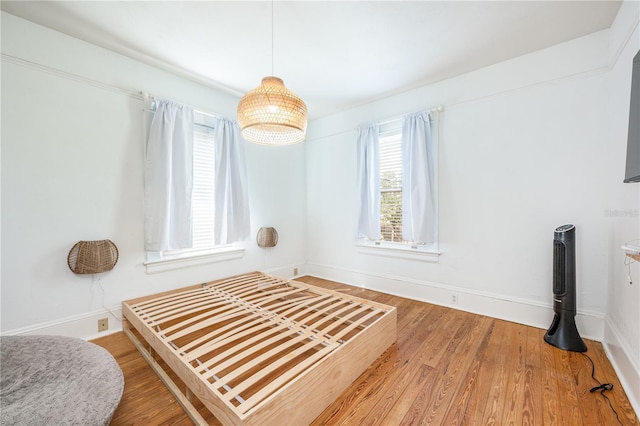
(203, 199)
(391, 187)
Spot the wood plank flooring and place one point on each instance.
(447, 367)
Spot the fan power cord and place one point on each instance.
(602, 387)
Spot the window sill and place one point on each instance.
(426, 253)
(156, 263)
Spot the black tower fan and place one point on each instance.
(563, 333)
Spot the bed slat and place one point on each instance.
(248, 344)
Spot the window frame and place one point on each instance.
(408, 250)
(159, 262)
(175, 259)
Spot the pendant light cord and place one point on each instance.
(272, 60)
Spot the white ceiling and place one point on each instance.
(334, 54)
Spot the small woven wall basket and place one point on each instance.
(267, 237)
(92, 257)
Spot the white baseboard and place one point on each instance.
(522, 311)
(83, 326)
(591, 325)
(623, 362)
(287, 271)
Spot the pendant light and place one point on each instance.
(271, 114)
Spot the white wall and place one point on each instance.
(72, 169)
(622, 326)
(526, 145)
(520, 154)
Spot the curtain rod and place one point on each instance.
(438, 108)
(146, 97)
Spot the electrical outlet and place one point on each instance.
(454, 299)
(295, 272)
(103, 324)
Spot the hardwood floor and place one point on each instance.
(446, 367)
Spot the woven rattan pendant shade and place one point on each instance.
(271, 114)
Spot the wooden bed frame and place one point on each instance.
(257, 349)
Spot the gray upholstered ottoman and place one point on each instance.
(54, 380)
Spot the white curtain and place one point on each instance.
(169, 178)
(418, 179)
(232, 201)
(368, 182)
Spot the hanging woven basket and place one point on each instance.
(92, 257)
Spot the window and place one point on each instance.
(203, 207)
(406, 198)
(203, 192)
(203, 195)
(391, 187)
